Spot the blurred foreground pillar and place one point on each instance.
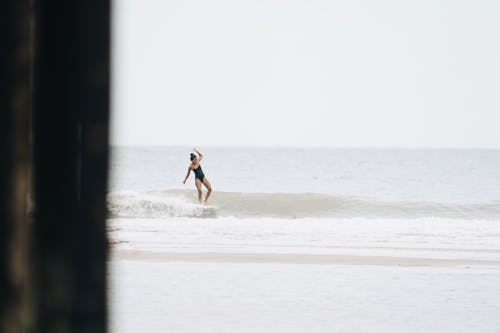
(15, 108)
(71, 111)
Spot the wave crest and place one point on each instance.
(182, 203)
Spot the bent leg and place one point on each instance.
(198, 187)
(208, 186)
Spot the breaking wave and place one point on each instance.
(151, 204)
(182, 203)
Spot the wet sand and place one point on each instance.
(294, 258)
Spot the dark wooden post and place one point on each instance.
(71, 111)
(15, 107)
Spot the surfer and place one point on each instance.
(199, 177)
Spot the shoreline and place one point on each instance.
(293, 258)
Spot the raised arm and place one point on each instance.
(200, 156)
(187, 175)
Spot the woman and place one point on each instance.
(199, 176)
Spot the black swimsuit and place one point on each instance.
(199, 173)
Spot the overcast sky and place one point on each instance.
(386, 73)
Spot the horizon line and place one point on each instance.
(304, 147)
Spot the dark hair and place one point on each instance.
(193, 156)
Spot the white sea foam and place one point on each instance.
(135, 204)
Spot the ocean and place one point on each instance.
(305, 182)
(295, 239)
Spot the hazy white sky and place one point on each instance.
(386, 73)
